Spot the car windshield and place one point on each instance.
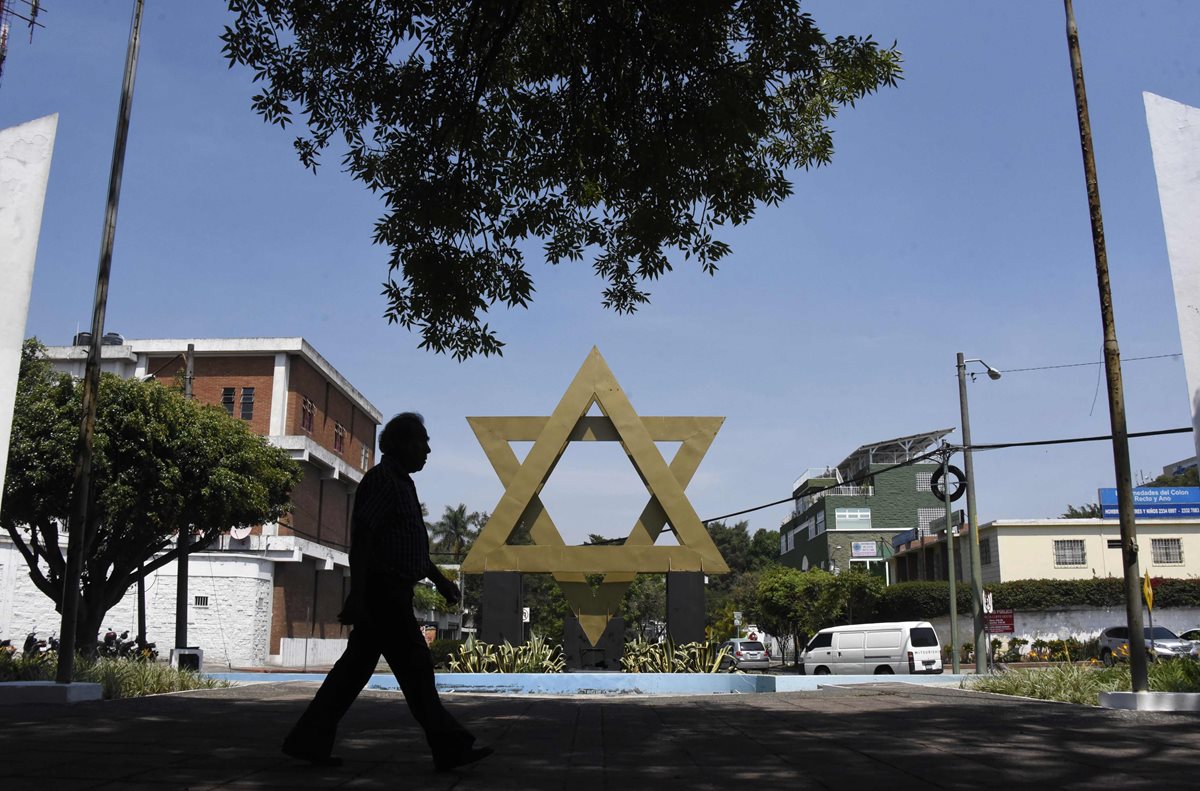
(1160, 633)
(751, 645)
(924, 637)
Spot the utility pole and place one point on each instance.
(79, 536)
(1112, 369)
(954, 663)
(981, 646)
(185, 536)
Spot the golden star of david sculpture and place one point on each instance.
(523, 481)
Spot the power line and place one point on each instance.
(999, 445)
(955, 449)
(849, 482)
(1080, 365)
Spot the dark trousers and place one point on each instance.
(392, 633)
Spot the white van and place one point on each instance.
(879, 649)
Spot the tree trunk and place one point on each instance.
(87, 626)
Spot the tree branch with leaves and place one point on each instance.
(621, 131)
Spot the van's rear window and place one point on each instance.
(748, 645)
(924, 637)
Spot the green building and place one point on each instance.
(846, 516)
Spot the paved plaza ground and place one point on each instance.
(872, 736)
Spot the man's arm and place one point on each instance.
(444, 585)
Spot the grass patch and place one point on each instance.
(118, 678)
(1083, 683)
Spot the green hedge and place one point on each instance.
(922, 600)
(911, 601)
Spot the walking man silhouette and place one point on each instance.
(389, 554)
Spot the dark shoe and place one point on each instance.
(463, 757)
(315, 760)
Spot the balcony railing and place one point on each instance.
(845, 490)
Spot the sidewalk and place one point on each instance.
(874, 736)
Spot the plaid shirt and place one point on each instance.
(389, 525)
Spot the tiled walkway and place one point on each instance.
(881, 736)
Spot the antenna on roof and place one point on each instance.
(31, 9)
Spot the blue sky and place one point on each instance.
(953, 218)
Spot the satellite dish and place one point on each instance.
(240, 532)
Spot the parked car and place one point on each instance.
(1159, 643)
(874, 649)
(745, 654)
(1192, 635)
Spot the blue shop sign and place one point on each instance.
(1156, 502)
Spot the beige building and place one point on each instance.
(1012, 549)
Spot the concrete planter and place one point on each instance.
(1151, 701)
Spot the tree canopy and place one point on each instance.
(454, 533)
(161, 464)
(1085, 511)
(796, 603)
(620, 131)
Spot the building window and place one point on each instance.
(247, 403)
(810, 525)
(1069, 552)
(820, 522)
(307, 410)
(365, 458)
(985, 551)
(852, 519)
(227, 399)
(200, 601)
(923, 481)
(925, 516)
(1166, 551)
(339, 438)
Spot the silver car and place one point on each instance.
(1159, 642)
(744, 654)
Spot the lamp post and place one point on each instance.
(972, 520)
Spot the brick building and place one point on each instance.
(846, 515)
(261, 594)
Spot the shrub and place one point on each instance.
(1083, 683)
(911, 601)
(118, 678)
(643, 657)
(536, 656)
(442, 650)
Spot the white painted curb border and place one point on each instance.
(1151, 701)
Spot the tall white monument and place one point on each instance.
(24, 170)
(1175, 140)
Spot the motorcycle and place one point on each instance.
(33, 647)
(115, 646)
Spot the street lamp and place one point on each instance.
(972, 521)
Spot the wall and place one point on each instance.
(212, 374)
(330, 407)
(306, 602)
(1082, 623)
(1026, 551)
(232, 629)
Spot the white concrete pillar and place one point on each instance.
(279, 391)
(25, 152)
